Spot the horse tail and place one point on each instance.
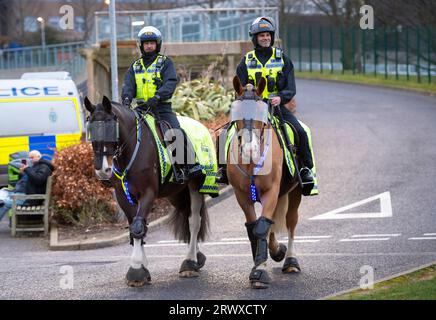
(179, 218)
(279, 216)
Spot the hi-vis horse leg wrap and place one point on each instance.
(260, 231)
(138, 228)
(253, 239)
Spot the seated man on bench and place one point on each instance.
(33, 181)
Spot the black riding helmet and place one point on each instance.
(259, 25)
(149, 33)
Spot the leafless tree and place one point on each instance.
(405, 12)
(413, 15)
(344, 14)
(86, 9)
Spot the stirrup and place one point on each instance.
(222, 176)
(179, 176)
(194, 171)
(308, 183)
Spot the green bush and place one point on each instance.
(201, 99)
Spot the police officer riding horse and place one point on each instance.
(151, 80)
(272, 64)
(259, 150)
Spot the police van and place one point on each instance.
(40, 111)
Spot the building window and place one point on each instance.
(79, 24)
(30, 24)
(54, 21)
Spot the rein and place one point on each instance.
(122, 175)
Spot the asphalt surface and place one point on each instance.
(368, 141)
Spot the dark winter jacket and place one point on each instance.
(37, 177)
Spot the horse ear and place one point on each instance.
(107, 104)
(238, 86)
(88, 105)
(261, 86)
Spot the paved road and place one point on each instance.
(368, 141)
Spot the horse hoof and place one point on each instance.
(189, 274)
(291, 266)
(259, 285)
(138, 277)
(201, 259)
(259, 279)
(281, 253)
(189, 269)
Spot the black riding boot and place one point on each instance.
(303, 152)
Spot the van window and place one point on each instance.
(38, 118)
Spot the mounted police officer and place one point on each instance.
(153, 79)
(272, 64)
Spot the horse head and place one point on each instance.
(102, 125)
(250, 113)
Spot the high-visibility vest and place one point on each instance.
(274, 65)
(147, 78)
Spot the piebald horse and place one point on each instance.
(123, 143)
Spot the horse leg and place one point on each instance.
(259, 278)
(190, 265)
(291, 263)
(250, 217)
(138, 274)
(277, 251)
(138, 261)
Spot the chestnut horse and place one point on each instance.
(123, 143)
(257, 171)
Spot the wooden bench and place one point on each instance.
(31, 218)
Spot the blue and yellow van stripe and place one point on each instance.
(46, 144)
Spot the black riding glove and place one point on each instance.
(152, 102)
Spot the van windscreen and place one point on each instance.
(20, 118)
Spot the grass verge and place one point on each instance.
(418, 285)
(380, 80)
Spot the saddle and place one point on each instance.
(197, 135)
(288, 162)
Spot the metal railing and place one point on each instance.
(397, 52)
(63, 56)
(182, 25)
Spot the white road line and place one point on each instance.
(323, 254)
(220, 243)
(165, 245)
(429, 234)
(300, 241)
(365, 239)
(168, 241)
(385, 209)
(312, 237)
(234, 239)
(423, 238)
(375, 235)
